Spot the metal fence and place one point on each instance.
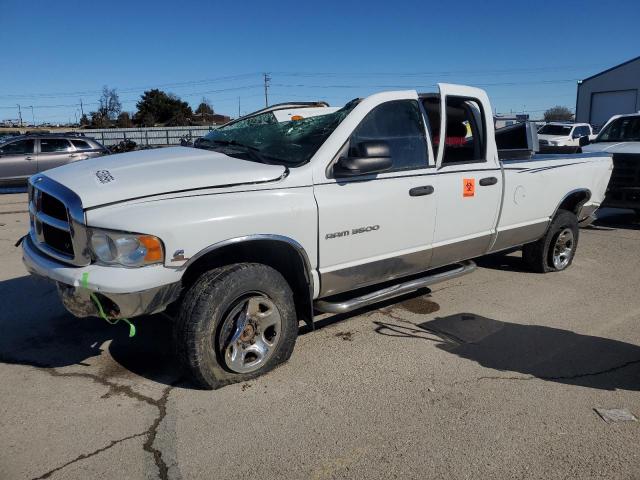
(150, 136)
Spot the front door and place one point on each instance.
(17, 161)
(468, 188)
(378, 227)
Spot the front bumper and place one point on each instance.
(123, 292)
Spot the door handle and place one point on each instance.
(419, 191)
(488, 181)
(29, 158)
(73, 155)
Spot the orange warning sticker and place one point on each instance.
(468, 187)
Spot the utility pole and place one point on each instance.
(20, 115)
(238, 107)
(81, 109)
(33, 117)
(267, 79)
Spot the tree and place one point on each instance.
(84, 120)
(99, 120)
(205, 107)
(110, 106)
(124, 120)
(558, 114)
(156, 106)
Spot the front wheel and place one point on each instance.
(555, 251)
(236, 322)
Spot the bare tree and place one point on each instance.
(110, 106)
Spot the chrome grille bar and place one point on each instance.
(74, 224)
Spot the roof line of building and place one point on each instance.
(609, 69)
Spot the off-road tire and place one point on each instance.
(538, 256)
(203, 309)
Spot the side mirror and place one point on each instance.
(584, 141)
(372, 157)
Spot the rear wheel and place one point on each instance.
(236, 323)
(555, 251)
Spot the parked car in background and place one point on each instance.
(269, 222)
(557, 134)
(621, 137)
(26, 155)
(8, 134)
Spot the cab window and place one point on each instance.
(21, 147)
(51, 145)
(464, 134)
(81, 145)
(398, 123)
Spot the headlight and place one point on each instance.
(127, 249)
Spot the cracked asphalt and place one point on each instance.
(493, 375)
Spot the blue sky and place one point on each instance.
(526, 54)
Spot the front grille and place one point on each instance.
(57, 239)
(626, 170)
(53, 207)
(57, 221)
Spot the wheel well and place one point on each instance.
(574, 201)
(283, 257)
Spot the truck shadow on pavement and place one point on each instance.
(534, 351)
(38, 331)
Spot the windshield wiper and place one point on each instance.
(251, 150)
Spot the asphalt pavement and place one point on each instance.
(492, 375)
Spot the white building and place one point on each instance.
(608, 93)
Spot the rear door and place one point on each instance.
(377, 227)
(54, 152)
(468, 186)
(17, 160)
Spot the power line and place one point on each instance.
(132, 89)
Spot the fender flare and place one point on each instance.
(578, 205)
(308, 271)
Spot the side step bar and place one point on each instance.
(343, 306)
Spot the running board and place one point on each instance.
(458, 270)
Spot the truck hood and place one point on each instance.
(126, 176)
(613, 147)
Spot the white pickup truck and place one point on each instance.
(558, 134)
(272, 220)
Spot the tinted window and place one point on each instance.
(399, 123)
(549, 129)
(17, 148)
(50, 145)
(623, 129)
(81, 145)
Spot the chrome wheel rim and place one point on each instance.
(252, 329)
(563, 249)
